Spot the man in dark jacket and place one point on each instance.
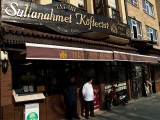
(71, 99)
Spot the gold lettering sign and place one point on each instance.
(61, 17)
(27, 12)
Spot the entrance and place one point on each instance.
(136, 81)
(139, 77)
(50, 78)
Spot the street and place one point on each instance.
(145, 108)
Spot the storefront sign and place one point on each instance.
(52, 52)
(61, 17)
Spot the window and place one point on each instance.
(113, 4)
(114, 73)
(34, 1)
(115, 11)
(100, 7)
(82, 4)
(115, 14)
(135, 28)
(148, 8)
(134, 2)
(59, 1)
(151, 34)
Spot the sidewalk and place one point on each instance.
(101, 114)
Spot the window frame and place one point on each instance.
(133, 2)
(148, 8)
(151, 31)
(138, 25)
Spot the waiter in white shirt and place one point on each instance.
(88, 95)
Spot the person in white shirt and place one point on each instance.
(88, 95)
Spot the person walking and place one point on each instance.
(88, 95)
(71, 99)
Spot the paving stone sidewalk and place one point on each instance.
(124, 112)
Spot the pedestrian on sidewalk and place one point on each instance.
(71, 99)
(88, 95)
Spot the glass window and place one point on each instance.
(115, 73)
(82, 4)
(115, 14)
(151, 34)
(135, 28)
(113, 4)
(115, 10)
(35, 1)
(100, 7)
(134, 2)
(59, 1)
(148, 7)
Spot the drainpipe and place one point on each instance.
(128, 65)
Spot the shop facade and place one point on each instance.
(42, 54)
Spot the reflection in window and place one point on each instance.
(34, 1)
(115, 10)
(115, 73)
(115, 14)
(100, 7)
(59, 1)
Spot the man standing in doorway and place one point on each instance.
(88, 95)
(71, 99)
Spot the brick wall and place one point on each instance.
(6, 87)
(158, 9)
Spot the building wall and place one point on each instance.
(158, 14)
(158, 9)
(6, 87)
(141, 16)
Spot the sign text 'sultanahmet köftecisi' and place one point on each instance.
(61, 17)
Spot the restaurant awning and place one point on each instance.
(53, 52)
(123, 56)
